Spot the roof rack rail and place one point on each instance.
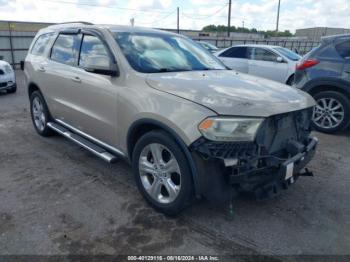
(76, 22)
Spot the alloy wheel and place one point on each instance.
(160, 173)
(328, 113)
(38, 114)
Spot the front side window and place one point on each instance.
(41, 43)
(235, 52)
(156, 52)
(264, 55)
(93, 53)
(343, 49)
(65, 49)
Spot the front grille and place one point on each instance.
(3, 84)
(277, 131)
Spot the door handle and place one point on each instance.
(76, 79)
(41, 69)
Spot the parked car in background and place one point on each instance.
(7, 77)
(210, 47)
(325, 74)
(271, 62)
(187, 125)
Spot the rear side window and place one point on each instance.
(66, 49)
(235, 52)
(41, 43)
(343, 49)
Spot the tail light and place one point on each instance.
(303, 64)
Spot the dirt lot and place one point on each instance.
(56, 198)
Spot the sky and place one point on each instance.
(194, 14)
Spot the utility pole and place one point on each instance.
(278, 15)
(178, 20)
(243, 24)
(229, 18)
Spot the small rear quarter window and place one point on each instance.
(40, 44)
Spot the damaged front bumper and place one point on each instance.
(263, 175)
(283, 147)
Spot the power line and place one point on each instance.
(105, 6)
(205, 16)
(159, 20)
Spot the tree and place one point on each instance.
(223, 28)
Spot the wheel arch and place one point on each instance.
(289, 78)
(327, 85)
(33, 87)
(143, 126)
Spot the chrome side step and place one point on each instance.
(93, 148)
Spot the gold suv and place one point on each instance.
(188, 126)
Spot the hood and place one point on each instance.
(3, 63)
(228, 92)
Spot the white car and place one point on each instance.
(7, 78)
(271, 62)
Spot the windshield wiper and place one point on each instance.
(164, 70)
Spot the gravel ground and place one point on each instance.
(56, 198)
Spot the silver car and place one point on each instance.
(272, 62)
(188, 126)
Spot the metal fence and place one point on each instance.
(15, 39)
(300, 46)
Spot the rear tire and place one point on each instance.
(290, 80)
(332, 112)
(40, 114)
(12, 90)
(165, 181)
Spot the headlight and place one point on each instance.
(230, 129)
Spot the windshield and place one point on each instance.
(288, 53)
(154, 53)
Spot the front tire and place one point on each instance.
(162, 173)
(332, 112)
(40, 114)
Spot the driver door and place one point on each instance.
(95, 94)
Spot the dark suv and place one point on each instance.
(325, 74)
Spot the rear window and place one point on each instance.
(235, 52)
(65, 49)
(343, 49)
(41, 43)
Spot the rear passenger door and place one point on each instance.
(343, 49)
(59, 76)
(264, 63)
(236, 58)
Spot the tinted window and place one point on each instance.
(41, 44)
(344, 49)
(159, 52)
(93, 53)
(65, 49)
(288, 53)
(235, 52)
(264, 55)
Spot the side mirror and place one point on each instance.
(100, 64)
(22, 65)
(279, 59)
